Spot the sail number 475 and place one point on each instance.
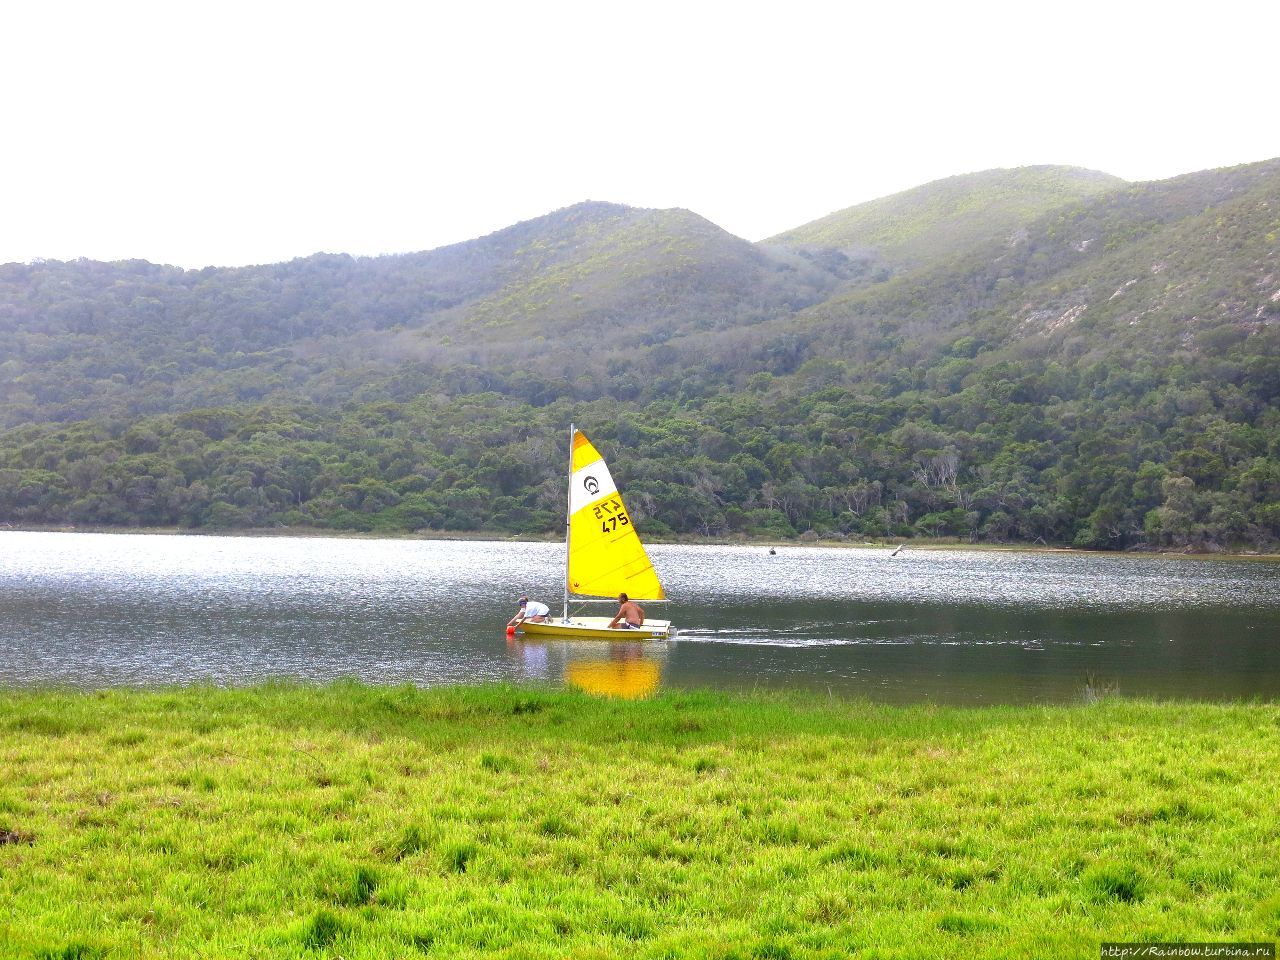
(611, 515)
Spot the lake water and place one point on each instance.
(943, 626)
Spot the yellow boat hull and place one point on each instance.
(594, 628)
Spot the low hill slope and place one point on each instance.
(941, 219)
(132, 337)
(1185, 265)
(623, 276)
(1145, 270)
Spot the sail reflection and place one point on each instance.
(626, 673)
(629, 671)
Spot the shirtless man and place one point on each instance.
(630, 615)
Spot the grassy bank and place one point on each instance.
(368, 822)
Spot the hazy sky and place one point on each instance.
(230, 133)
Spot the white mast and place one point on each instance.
(567, 507)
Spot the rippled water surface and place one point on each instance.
(947, 626)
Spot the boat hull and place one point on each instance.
(595, 628)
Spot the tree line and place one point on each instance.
(1110, 456)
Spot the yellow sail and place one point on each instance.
(606, 557)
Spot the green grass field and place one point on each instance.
(367, 822)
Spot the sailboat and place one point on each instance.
(603, 555)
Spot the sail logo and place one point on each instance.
(589, 485)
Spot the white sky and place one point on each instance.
(234, 132)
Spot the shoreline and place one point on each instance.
(492, 536)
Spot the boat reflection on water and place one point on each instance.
(626, 670)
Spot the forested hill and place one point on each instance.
(1044, 354)
(131, 338)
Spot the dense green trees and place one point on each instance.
(1166, 465)
(1107, 375)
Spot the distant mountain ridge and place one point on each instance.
(624, 275)
(634, 277)
(1044, 353)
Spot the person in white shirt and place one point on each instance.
(530, 610)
